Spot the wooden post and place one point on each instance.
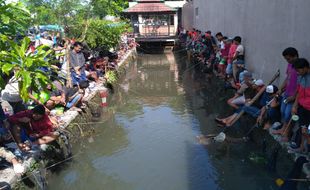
(169, 24)
(69, 80)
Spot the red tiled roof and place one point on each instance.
(148, 7)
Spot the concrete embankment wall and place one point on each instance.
(266, 26)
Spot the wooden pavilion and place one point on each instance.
(153, 20)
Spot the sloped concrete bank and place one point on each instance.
(70, 120)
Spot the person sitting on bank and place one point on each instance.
(77, 64)
(74, 96)
(256, 108)
(270, 112)
(57, 98)
(5, 136)
(11, 93)
(34, 125)
(239, 98)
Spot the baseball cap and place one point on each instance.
(259, 82)
(271, 89)
(247, 74)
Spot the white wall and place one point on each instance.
(266, 26)
(188, 16)
(131, 4)
(175, 4)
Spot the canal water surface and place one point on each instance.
(150, 143)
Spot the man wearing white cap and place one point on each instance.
(258, 109)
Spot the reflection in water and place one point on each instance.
(149, 143)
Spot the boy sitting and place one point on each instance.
(75, 95)
(34, 125)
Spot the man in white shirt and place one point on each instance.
(11, 94)
(220, 38)
(238, 59)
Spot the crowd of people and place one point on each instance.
(33, 124)
(284, 110)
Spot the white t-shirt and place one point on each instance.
(11, 91)
(222, 45)
(240, 49)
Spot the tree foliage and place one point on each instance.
(104, 33)
(69, 12)
(14, 18)
(101, 8)
(80, 18)
(13, 53)
(26, 66)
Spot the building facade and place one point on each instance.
(266, 27)
(155, 18)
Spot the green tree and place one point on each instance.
(14, 19)
(26, 66)
(102, 8)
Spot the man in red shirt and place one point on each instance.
(37, 125)
(301, 105)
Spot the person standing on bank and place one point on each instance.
(288, 87)
(77, 64)
(238, 59)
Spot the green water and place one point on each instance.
(149, 143)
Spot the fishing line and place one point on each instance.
(49, 167)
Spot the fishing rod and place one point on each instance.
(256, 125)
(255, 97)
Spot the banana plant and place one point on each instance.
(25, 66)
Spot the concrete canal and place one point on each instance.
(149, 142)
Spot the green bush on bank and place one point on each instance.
(104, 33)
